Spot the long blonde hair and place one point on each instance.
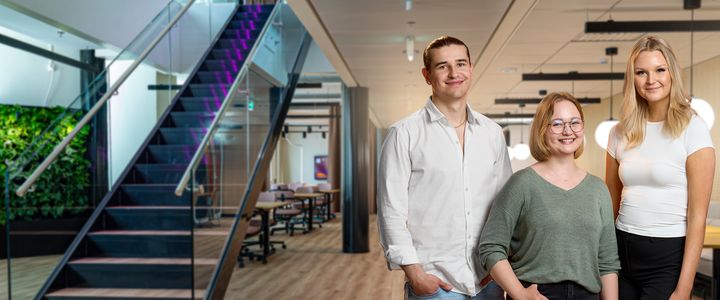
(635, 109)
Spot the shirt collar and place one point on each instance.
(435, 114)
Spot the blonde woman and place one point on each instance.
(550, 232)
(659, 170)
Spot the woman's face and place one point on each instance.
(652, 76)
(565, 132)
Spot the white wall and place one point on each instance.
(132, 114)
(289, 168)
(25, 78)
(111, 21)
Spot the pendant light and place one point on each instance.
(701, 107)
(602, 133)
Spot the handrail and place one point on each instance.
(225, 104)
(91, 113)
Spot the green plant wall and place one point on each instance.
(62, 189)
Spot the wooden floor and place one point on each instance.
(28, 275)
(314, 267)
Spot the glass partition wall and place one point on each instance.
(230, 158)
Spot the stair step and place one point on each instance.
(203, 104)
(224, 77)
(257, 7)
(222, 65)
(145, 261)
(193, 119)
(237, 40)
(133, 272)
(150, 217)
(229, 54)
(163, 173)
(209, 90)
(170, 154)
(252, 15)
(148, 243)
(116, 294)
(157, 233)
(151, 195)
(246, 24)
(179, 136)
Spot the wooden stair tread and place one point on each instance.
(168, 207)
(144, 261)
(202, 232)
(126, 293)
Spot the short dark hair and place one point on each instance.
(442, 41)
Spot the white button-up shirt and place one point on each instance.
(432, 199)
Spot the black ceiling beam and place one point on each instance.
(584, 100)
(47, 54)
(572, 76)
(651, 26)
(509, 116)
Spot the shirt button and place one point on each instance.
(468, 213)
(466, 189)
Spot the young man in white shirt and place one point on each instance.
(440, 169)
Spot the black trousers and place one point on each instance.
(650, 265)
(566, 290)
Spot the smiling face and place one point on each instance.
(567, 141)
(450, 73)
(652, 77)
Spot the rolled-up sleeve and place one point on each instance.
(494, 243)
(392, 200)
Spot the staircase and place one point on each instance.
(141, 241)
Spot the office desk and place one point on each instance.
(712, 240)
(328, 197)
(311, 199)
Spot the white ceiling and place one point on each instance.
(522, 35)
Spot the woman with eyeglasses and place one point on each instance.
(660, 164)
(550, 232)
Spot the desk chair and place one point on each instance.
(253, 230)
(270, 197)
(286, 214)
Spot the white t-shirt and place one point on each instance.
(654, 195)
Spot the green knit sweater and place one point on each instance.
(551, 235)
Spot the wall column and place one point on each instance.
(356, 168)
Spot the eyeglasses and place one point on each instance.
(558, 126)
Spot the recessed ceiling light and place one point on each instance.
(508, 70)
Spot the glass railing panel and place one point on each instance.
(44, 222)
(220, 180)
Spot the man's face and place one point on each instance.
(450, 73)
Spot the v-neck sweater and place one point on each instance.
(549, 234)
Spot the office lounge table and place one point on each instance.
(712, 240)
(328, 196)
(311, 199)
(264, 209)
